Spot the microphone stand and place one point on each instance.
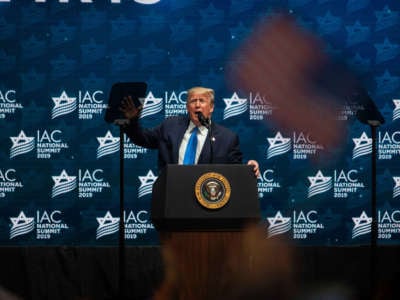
(206, 122)
(371, 116)
(121, 244)
(211, 138)
(374, 226)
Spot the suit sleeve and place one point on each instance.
(235, 155)
(147, 138)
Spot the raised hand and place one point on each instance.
(129, 109)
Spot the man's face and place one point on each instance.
(199, 102)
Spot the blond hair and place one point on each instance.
(201, 90)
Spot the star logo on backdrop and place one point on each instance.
(63, 99)
(62, 179)
(318, 179)
(362, 220)
(107, 220)
(149, 179)
(150, 99)
(396, 111)
(277, 140)
(20, 220)
(21, 139)
(107, 139)
(234, 100)
(396, 188)
(396, 181)
(277, 219)
(278, 145)
(362, 140)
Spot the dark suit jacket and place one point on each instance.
(168, 135)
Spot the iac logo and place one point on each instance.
(21, 144)
(304, 145)
(362, 146)
(343, 182)
(305, 223)
(266, 183)
(319, 184)
(151, 105)
(21, 225)
(8, 182)
(89, 104)
(362, 225)
(146, 183)
(396, 188)
(48, 143)
(63, 184)
(388, 224)
(8, 103)
(388, 144)
(259, 106)
(91, 182)
(107, 225)
(346, 183)
(234, 106)
(175, 103)
(132, 151)
(136, 224)
(107, 145)
(278, 224)
(49, 224)
(278, 145)
(396, 111)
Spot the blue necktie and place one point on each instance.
(190, 153)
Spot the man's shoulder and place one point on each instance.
(175, 120)
(222, 129)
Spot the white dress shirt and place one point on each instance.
(201, 138)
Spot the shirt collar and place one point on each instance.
(202, 129)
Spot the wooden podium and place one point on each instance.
(200, 212)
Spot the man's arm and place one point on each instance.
(236, 157)
(148, 138)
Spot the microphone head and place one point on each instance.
(202, 119)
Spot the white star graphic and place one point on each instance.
(317, 179)
(150, 99)
(278, 219)
(148, 179)
(396, 103)
(21, 219)
(278, 139)
(107, 139)
(62, 178)
(396, 181)
(362, 140)
(21, 139)
(107, 220)
(234, 100)
(362, 220)
(63, 99)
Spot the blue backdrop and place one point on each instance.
(59, 172)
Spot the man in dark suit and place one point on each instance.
(214, 143)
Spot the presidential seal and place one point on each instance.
(212, 190)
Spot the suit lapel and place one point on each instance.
(181, 127)
(204, 157)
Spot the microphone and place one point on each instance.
(203, 120)
(206, 123)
